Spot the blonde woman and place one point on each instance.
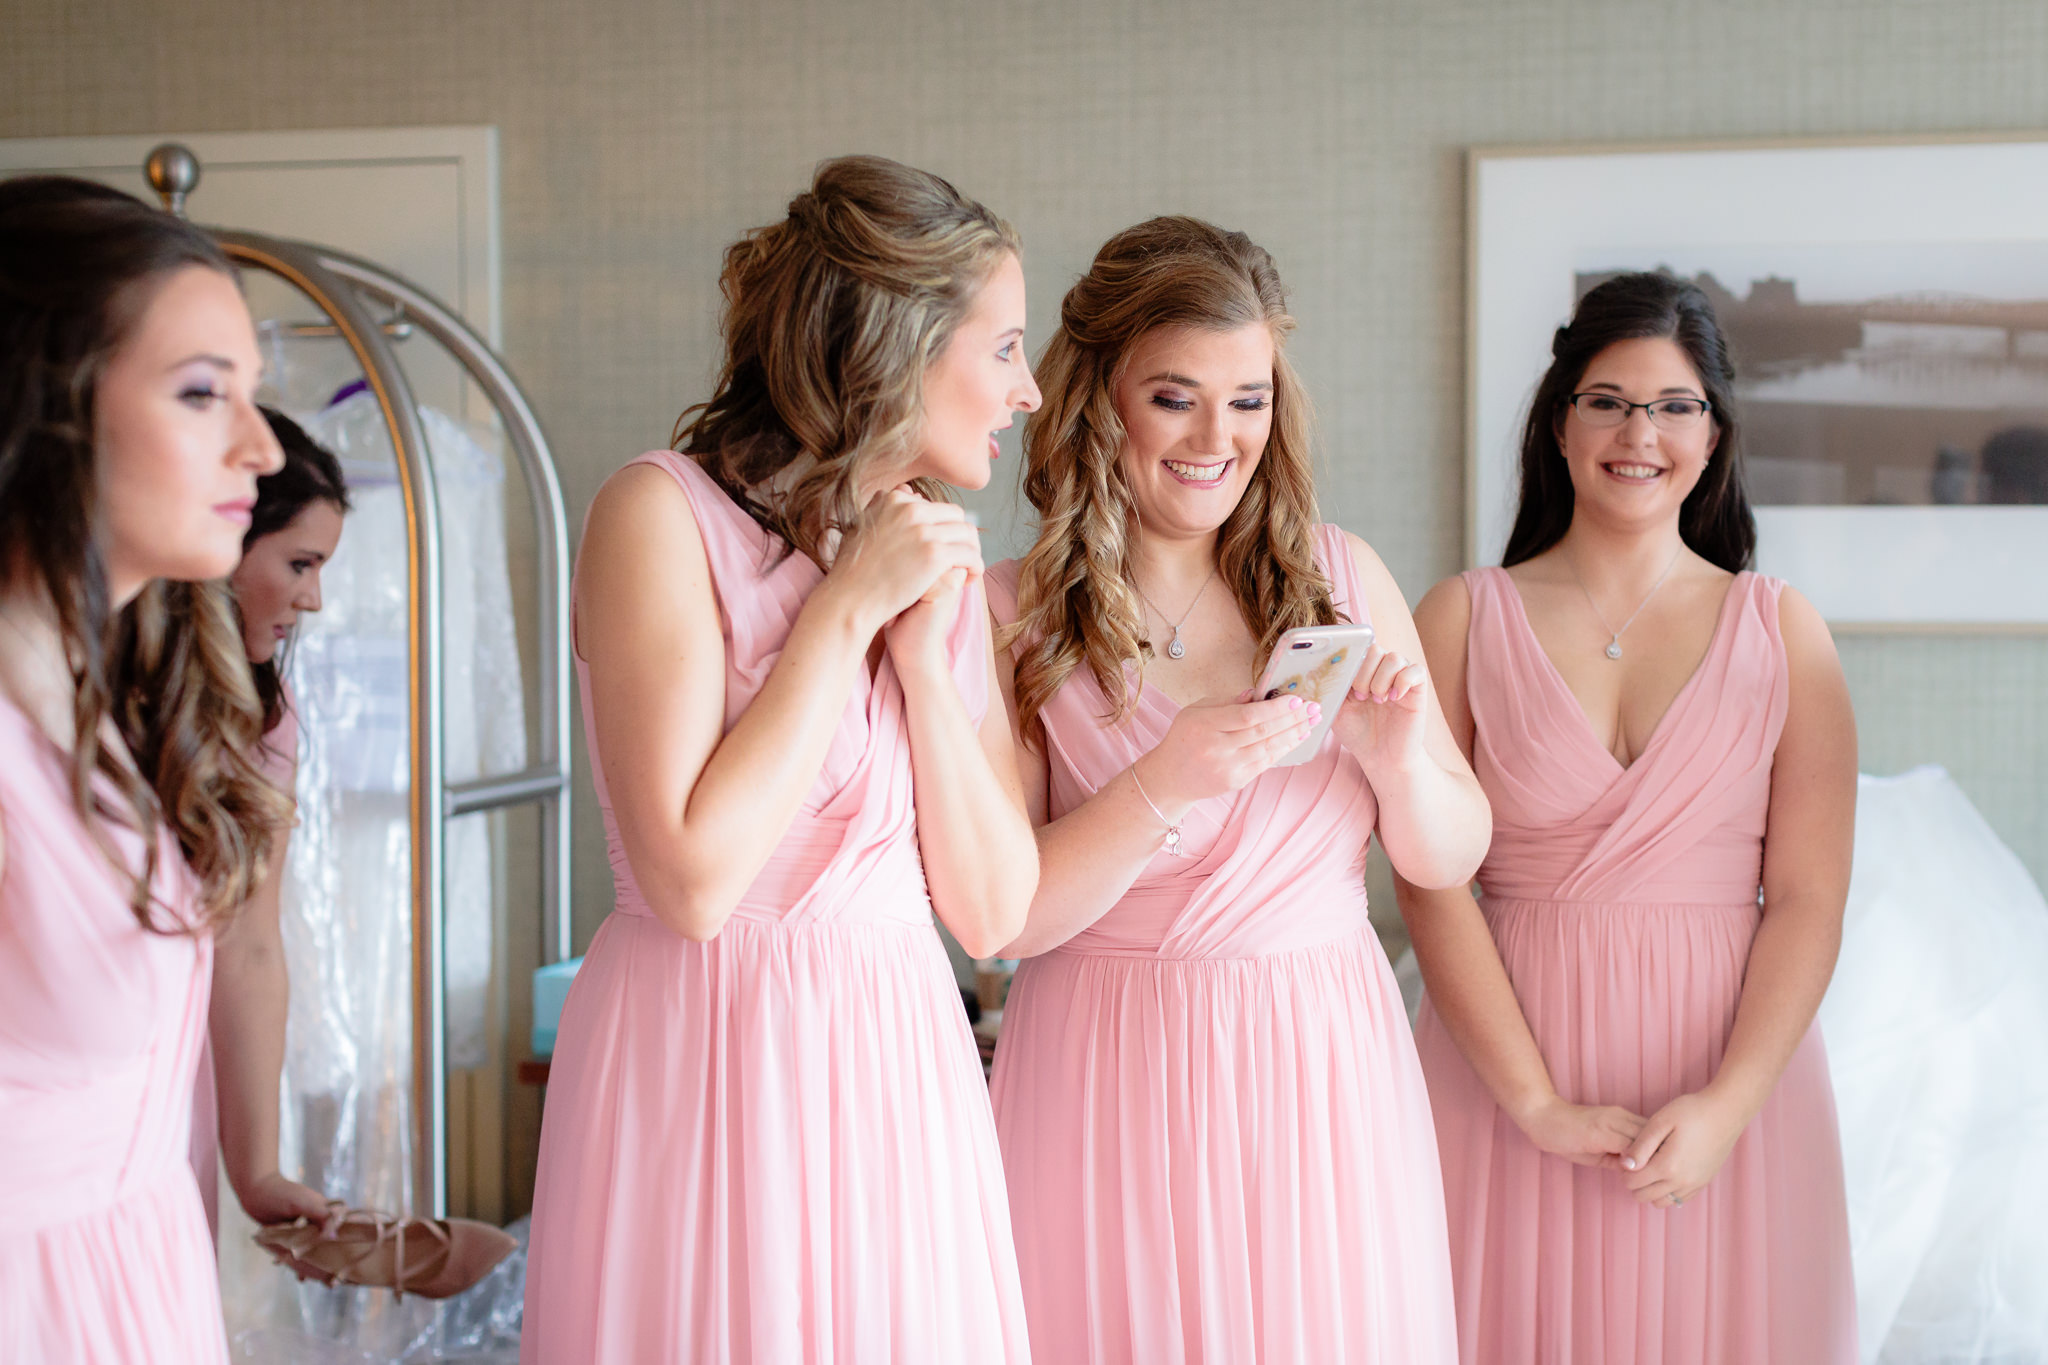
(767, 1138)
(1215, 1130)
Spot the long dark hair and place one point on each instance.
(310, 474)
(79, 264)
(1715, 520)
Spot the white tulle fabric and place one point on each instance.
(1936, 1024)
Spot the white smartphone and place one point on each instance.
(1315, 663)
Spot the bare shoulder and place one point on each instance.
(1809, 645)
(641, 569)
(1445, 611)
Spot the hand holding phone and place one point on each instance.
(1315, 663)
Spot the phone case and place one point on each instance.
(1315, 663)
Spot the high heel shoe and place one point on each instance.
(433, 1258)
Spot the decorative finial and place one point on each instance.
(173, 173)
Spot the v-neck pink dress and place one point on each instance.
(104, 1257)
(776, 1146)
(1215, 1129)
(1623, 902)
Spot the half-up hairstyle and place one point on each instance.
(1075, 602)
(831, 318)
(79, 265)
(310, 474)
(1715, 520)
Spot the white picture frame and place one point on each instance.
(1539, 217)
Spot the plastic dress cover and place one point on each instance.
(346, 1123)
(1935, 1025)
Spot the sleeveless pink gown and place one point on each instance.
(1623, 901)
(1216, 1132)
(279, 756)
(776, 1146)
(104, 1256)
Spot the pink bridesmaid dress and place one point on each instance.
(1216, 1132)
(104, 1256)
(776, 1146)
(280, 758)
(1623, 901)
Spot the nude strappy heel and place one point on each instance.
(433, 1258)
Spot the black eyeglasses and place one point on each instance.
(1611, 410)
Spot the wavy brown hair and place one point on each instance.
(1075, 602)
(79, 265)
(831, 317)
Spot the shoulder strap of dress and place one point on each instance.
(1333, 551)
(1000, 583)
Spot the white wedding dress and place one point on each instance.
(1937, 1035)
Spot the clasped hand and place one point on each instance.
(904, 568)
(1664, 1159)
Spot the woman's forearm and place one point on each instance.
(980, 858)
(1434, 823)
(1470, 991)
(246, 1027)
(1791, 960)
(1088, 859)
(695, 863)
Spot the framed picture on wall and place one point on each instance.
(1887, 304)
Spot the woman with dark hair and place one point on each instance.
(134, 819)
(1215, 1130)
(293, 531)
(1632, 1105)
(767, 1137)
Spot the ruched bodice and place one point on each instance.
(1301, 831)
(775, 1145)
(104, 1255)
(851, 854)
(1215, 1130)
(1684, 823)
(1624, 902)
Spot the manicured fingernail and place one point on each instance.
(1294, 703)
(1628, 1163)
(1315, 710)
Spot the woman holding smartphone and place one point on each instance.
(767, 1137)
(1632, 1104)
(1214, 1127)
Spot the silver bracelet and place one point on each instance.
(1172, 830)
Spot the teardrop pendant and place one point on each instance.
(1614, 649)
(1174, 648)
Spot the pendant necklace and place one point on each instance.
(1174, 648)
(1613, 635)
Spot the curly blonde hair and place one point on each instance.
(831, 318)
(1075, 601)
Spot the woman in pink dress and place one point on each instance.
(1633, 1110)
(293, 531)
(133, 819)
(1215, 1130)
(767, 1138)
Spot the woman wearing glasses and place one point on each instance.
(1633, 1108)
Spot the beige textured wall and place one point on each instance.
(639, 136)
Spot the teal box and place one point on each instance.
(550, 989)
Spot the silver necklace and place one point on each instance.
(1174, 648)
(1613, 635)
